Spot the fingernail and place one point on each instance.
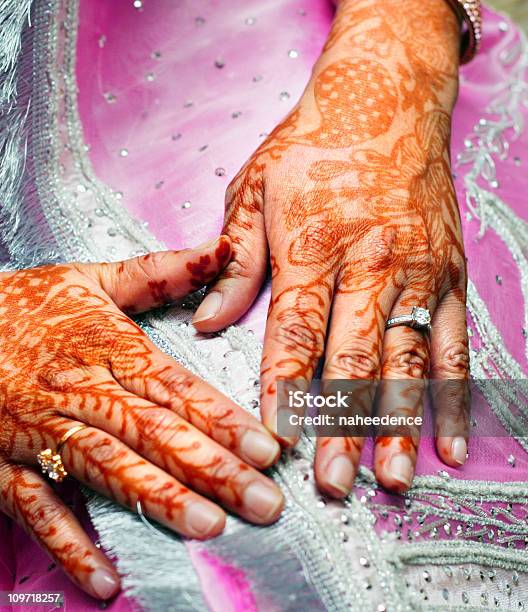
(259, 448)
(104, 583)
(459, 450)
(209, 307)
(340, 474)
(206, 245)
(262, 500)
(401, 469)
(203, 519)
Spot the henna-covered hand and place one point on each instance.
(155, 433)
(352, 200)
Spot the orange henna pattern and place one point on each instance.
(355, 194)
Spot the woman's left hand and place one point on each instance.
(351, 199)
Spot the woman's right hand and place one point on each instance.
(156, 434)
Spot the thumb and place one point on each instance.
(155, 279)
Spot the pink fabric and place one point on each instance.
(148, 83)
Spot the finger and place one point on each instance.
(239, 283)
(30, 501)
(155, 279)
(353, 351)
(450, 375)
(294, 339)
(147, 372)
(108, 466)
(405, 365)
(182, 451)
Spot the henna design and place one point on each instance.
(356, 197)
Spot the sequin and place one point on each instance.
(364, 562)
(138, 4)
(250, 21)
(284, 95)
(110, 97)
(220, 172)
(293, 53)
(236, 114)
(150, 76)
(186, 204)
(503, 26)
(511, 460)
(498, 279)
(123, 152)
(219, 63)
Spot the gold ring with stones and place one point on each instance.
(51, 462)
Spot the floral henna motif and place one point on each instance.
(356, 197)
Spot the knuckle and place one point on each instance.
(407, 358)
(103, 457)
(357, 360)
(44, 517)
(156, 425)
(240, 264)
(301, 333)
(453, 360)
(172, 386)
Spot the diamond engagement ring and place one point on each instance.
(420, 319)
(51, 462)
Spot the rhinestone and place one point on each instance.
(515, 577)
(250, 21)
(469, 216)
(102, 41)
(426, 576)
(293, 53)
(188, 104)
(344, 519)
(219, 63)
(495, 184)
(421, 316)
(398, 520)
(109, 97)
(81, 189)
(492, 574)
(186, 205)
(484, 599)
(381, 608)
(363, 499)
(511, 460)
(343, 536)
(138, 4)
(503, 26)
(447, 528)
(156, 55)
(220, 172)
(465, 597)
(99, 212)
(498, 279)
(284, 95)
(364, 562)
(517, 160)
(443, 474)
(123, 152)
(119, 195)
(321, 503)
(150, 76)
(445, 594)
(112, 232)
